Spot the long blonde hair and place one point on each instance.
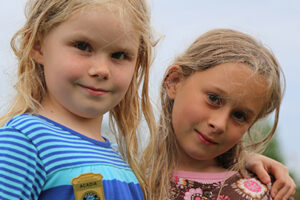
(209, 50)
(44, 15)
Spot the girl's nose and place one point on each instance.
(99, 68)
(218, 121)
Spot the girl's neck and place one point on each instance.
(201, 166)
(90, 127)
(186, 163)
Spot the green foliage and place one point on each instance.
(260, 131)
(274, 150)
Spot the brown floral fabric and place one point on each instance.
(233, 188)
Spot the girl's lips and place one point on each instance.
(204, 139)
(94, 91)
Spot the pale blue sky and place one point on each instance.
(275, 22)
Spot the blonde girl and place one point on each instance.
(78, 59)
(211, 95)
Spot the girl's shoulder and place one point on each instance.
(29, 123)
(250, 187)
(28, 126)
(16, 125)
(19, 160)
(23, 121)
(20, 131)
(227, 187)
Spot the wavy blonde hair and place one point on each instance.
(209, 50)
(44, 15)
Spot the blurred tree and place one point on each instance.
(274, 149)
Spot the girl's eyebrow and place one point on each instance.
(130, 50)
(219, 90)
(123, 46)
(248, 111)
(79, 36)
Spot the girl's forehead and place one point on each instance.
(241, 78)
(237, 83)
(114, 18)
(100, 28)
(119, 12)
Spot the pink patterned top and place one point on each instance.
(204, 186)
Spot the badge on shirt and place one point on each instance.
(88, 186)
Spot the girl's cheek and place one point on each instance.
(194, 114)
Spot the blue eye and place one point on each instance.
(120, 55)
(83, 46)
(214, 99)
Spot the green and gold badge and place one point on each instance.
(88, 186)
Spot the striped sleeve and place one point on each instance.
(21, 170)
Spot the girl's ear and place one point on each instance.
(36, 52)
(172, 80)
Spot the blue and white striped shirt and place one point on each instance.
(39, 158)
